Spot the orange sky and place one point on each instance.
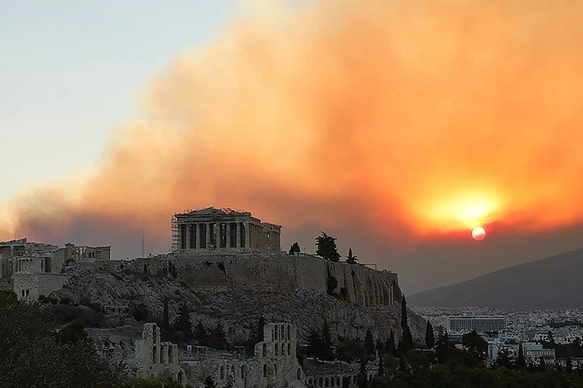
(415, 121)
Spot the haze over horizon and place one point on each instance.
(395, 127)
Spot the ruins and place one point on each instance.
(273, 365)
(223, 230)
(36, 268)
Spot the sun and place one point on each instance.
(478, 233)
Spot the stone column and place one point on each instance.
(238, 234)
(247, 232)
(208, 234)
(187, 236)
(196, 236)
(228, 231)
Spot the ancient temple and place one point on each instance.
(223, 230)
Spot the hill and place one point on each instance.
(551, 283)
(236, 289)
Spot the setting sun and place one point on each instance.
(478, 233)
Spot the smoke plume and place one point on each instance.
(385, 120)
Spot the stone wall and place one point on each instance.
(282, 273)
(156, 359)
(29, 286)
(274, 364)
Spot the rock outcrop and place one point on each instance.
(237, 289)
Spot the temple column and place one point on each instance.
(196, 235)
(247, 232)
(187, 236)
(228, 231)
(238, 234)
(208, 234)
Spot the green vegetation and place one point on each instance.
(32, 354)
(295, 248)
(327, 247)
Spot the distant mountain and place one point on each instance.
(552, 283)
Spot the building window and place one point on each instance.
(277, 349)
(264, 349)
(264, 370)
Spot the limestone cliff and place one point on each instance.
(236, 289)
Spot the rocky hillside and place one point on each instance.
(551, 283)
(236, 290)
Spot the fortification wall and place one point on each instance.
(282, 273)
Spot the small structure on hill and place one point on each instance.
(10, 251)
(156, 359)
(223, 230)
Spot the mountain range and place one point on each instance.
(552, 283)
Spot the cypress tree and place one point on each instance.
(381, 371)
(326, 352)
(404, 323)
(429, 336)
(369, 344)
(390, 348)
(182, 323)
(165, 316)
(201, 335)
(362, 381)
(520, 361)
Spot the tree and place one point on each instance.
(327, 247)
(381, 371)
(520, 361)
(326, 352)
(390, 348)
(542, 366)
(349, 350)
(295, 248)
(429, 336)
(72, 333)
(201, 335)
(182, 323)
(314, 343)
(369, 344)
(442, 348)
(209, 382)
(350, 259)
(362, 379)
(504, 359)
(218, 338)
(404, 323)
(31, 355)
(475, 344)
(165, 316)
(260, 326)
(407, 338)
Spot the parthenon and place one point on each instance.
(223, 230)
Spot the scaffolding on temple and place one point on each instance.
(174, 229)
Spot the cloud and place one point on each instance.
(407, 120)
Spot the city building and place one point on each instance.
(223, 230)
(481, 324)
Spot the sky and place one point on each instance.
(395, 127)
